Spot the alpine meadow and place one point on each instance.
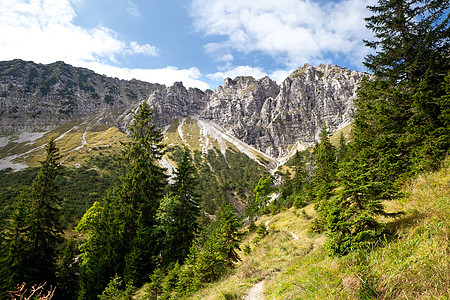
(334, 184)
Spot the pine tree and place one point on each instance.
(68, 270)
(399, 125)
(287, 187)
(404, 101)
(34, 228)
(350, 216)
(179, 212)
(14, 246)
(342, 151)
(325, 167)
(116, 291)
(324, 177)
(218, 252)
(139, 195)
(412, 39)
(229, 234)
(301, 181)
(123, 238)
(44, 227)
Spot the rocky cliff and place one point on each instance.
(270, 117)
(41, 97)
(258, 112)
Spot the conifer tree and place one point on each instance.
(14, 246)
(34, 228)
(324, 176)
(229, 234)
(301, 181)
(44, 227)
(300, 173)
(350, 217)
(342, 151)
(185, 187)
(399, 125)
(218, 252)
(68, 270)
(325, 167)
(139, 195)
(122, 231)
(179, 213)
(287, 187)
(402, 106)
(412, 39)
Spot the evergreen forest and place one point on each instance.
(120, 228)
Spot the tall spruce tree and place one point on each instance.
(122, 231)
(44, 226)
(14, 245)
(342, 151)
(179, 212)
(324, 176)
(219, 252)
(300, 173)
(400, 126)
(325, 166)
(412, 39)
(139, 195)
(406, 100)
(34, 228)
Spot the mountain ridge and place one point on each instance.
(269, 117)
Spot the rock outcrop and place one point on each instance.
(270, 117)
(41, 97)
(259, 112)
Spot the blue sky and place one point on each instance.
(198, 42)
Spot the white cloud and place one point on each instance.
(225, 58)
(146, 49)
(232, 72)
(280, 75)
(293, 32)
(189, 77)
(43, 31)
(132, 9)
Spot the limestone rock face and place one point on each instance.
(259, 112)
(237, 106)
(175, 102)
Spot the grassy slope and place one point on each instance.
(69, 139)
(413, 265)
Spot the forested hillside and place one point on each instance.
(368, 218)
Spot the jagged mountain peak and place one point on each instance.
(270, 117)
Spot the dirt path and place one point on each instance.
(256, 292)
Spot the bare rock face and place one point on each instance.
(175, 102)
(258, 112)
(42, 97)
(237, 106)
(270, 117)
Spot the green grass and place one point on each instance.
(413, 263)
(346, 131)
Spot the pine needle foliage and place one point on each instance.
(123, 238)
(33, 233)
(401, 124)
